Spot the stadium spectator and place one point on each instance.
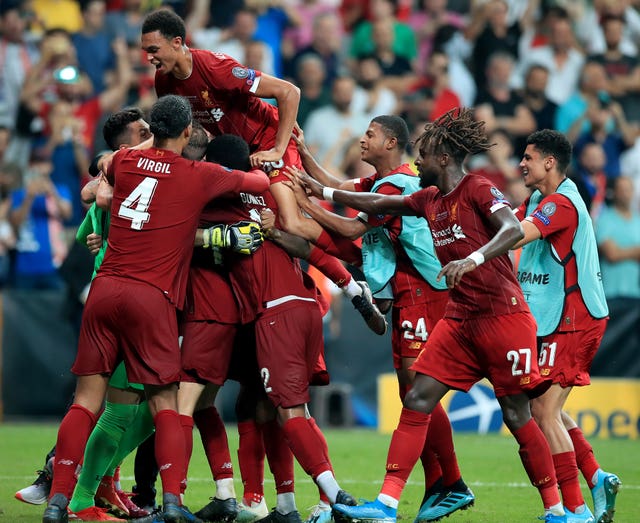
(570, 311)
(623, 71)
(561, 58)
(231, 41)
(402, 40)
(534, 97)
(371, 95)
(591, 33)
(93, 48)
(326, 43)
(125, 22)
(310, 77)
(10, 177)
(451, 41)
(345, 123)
(618, 234)
(613, 140)
(426, 19)
(500, 106)
(18, 56)
(38, 211)
(590, 178)
(593, 84)
(469, 324)
(491, 32)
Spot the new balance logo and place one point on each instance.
(217, 114)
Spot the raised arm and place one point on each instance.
(371, 203)
(288, 97)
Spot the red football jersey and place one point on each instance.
(219, 91)
(408, 286)
(269, 277)
(459, 225)
(157, 200)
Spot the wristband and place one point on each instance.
(327, 193)
(476, 257)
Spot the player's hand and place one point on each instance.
(258, 159)
(243, 237)
(298, 138)
(311, 187)
(94, 242)
(268, 221)
(454, 270)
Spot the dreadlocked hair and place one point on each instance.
(456, 133)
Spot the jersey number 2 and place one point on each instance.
(135, 206)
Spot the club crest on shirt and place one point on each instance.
(208, 102)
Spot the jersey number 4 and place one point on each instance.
(134, 207)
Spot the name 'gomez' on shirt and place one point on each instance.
(460, 224)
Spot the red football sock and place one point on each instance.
(340, 247)
(329, 266)
(430, 466)
(585, 459)
(325, 450)
(404, 450)
(279, 456)
(187, 428)
(440, 439)
(536, 458)
(567, 474)
(73, 433)
(214, 441)
(251, 459)
(306, 446)
(170, 450)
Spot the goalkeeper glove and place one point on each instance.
(243, 237)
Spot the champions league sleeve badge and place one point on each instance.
(240, 72)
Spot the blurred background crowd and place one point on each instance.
(570, 65)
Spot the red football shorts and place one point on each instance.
(206, 351)
(502, 348)
(130, 320)
(411, 326)
(566, 357)
(288, 344)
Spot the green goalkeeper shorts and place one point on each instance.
(119, 379)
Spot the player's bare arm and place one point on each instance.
(88, 192)
(509, 232)
(351, 228)
(295, 245)
(316, 170)
(288, 97)
(531, 233)
(371, 203)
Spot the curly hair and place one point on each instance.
(168, 23)
(170, 115)
(456, 133)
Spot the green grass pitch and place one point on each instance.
(489, 464)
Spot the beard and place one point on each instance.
(428, 180)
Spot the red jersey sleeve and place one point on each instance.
(365, 184)
(419, 200)
(486, 196)
(553, 214)
(221, 181)
(226, 73)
